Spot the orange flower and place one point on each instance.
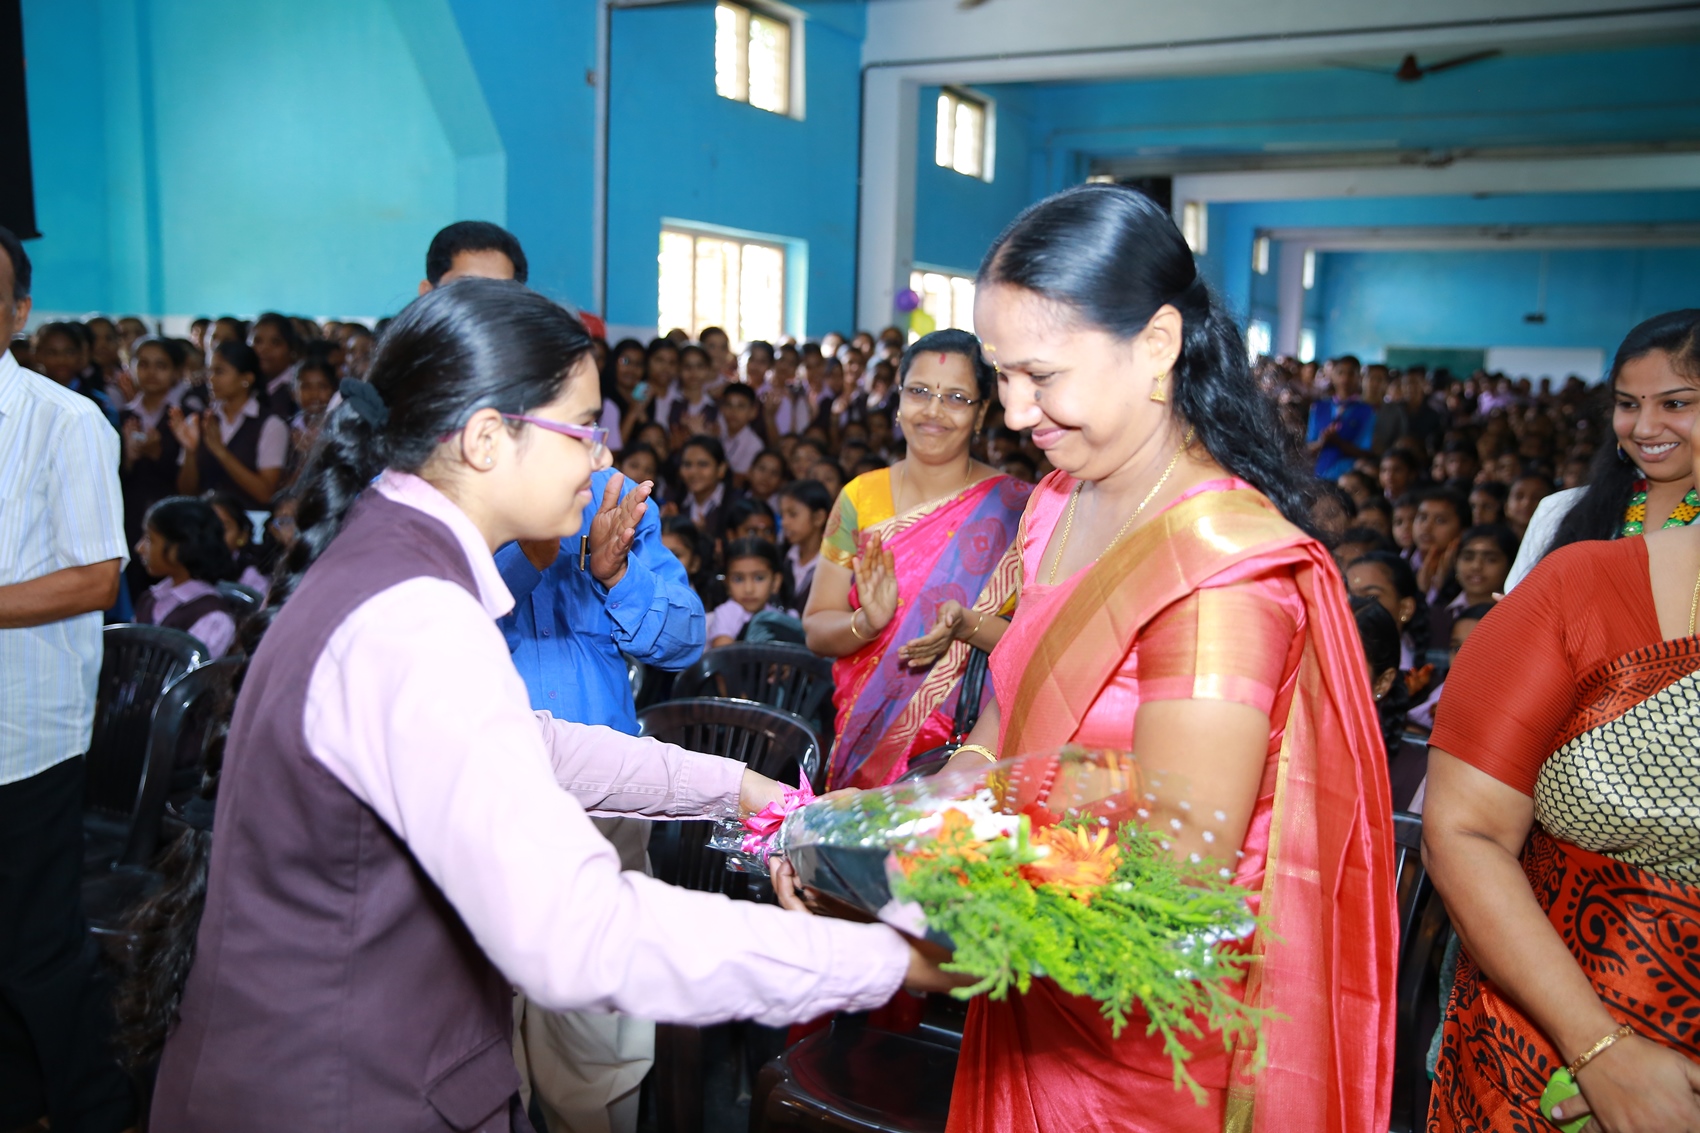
(1079, 863)
(955, 836)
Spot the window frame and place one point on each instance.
(953, 277)
(988, 131)
(795, 20)
(793, 274)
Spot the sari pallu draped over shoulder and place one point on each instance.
(1634, 934)
(961, 548)
(1326, 961)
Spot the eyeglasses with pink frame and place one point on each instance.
(594, 436)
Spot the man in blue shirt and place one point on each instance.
(578, 608)
(1341, 429)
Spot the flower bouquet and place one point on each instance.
(1044, 865)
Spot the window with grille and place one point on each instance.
(963, 126)
(753, 59)
(949, 299)
(713, 280)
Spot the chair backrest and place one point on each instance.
(244, 600)
(188, 710)
(137, 665)
(1423, 930)
(770, 741)
(770, 672)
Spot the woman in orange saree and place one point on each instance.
(1171, 606)
(1562, 828)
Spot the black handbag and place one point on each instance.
(967, 715)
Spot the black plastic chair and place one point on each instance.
(771, 742)
(1423, 930)
(853, 1078)
(138, 663)
(774, 673)
(244, 600)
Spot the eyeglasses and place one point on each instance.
(595, 436)
(921, 396)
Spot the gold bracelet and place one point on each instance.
(990, 755)
(1599, 1048)
(975, 632)
(853, 632)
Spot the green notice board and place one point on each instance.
(1462, 362)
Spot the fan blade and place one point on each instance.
(1462, 60)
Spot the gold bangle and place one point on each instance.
(990, 755)
(975, 632)
(853, 632)
(1600, 1048)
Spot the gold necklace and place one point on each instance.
(1074, 499)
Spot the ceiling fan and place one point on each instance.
(1410, 71)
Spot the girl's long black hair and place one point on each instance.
(1380, 636)
(1598, 513)
(1113, 257)
(475, 344)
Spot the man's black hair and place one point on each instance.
(472, 236)
(20, 264)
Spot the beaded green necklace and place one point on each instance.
(1635, 515)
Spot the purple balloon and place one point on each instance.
(907, 300)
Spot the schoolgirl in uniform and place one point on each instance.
(400, 840)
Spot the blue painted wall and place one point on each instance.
(1372, 300)
(680, 151)
(957, 217)
(197, 156)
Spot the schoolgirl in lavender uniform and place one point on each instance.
(399, 840)
(182, 545)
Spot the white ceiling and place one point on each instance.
(1019, 40)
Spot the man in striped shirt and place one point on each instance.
(61, 549)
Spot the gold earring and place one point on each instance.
(1158, 393)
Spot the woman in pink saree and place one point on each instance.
(917, 568)
(1173, 605)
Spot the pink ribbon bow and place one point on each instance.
(765, 823)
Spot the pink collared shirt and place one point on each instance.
(215, 630)
(415, 707)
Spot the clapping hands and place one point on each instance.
(875, 570)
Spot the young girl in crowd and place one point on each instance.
(1487, 503)
(683, 538)
(182, 545)
(638, 463)
(236, 445)
(1404, 516)
(149, 468)
(703, 473)
(316, 382)
(755, 581)
(277, 346)
(624, 396)
(1485, 555)
(750, 519)
(1407, 760)
(767, 476)
(804, 506)
(1390, 580)
(250, 564)
(1442, 515)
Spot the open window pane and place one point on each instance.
(731, 36)
(944, 150)
(711, 280)
(678, 279)
(762, 293)
(962, 303)
(970, 138)
(770, 64)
